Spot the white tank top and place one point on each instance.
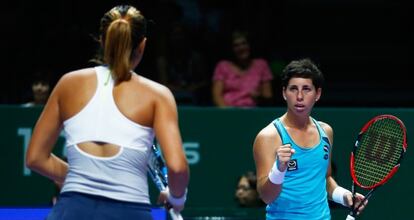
(122, 176)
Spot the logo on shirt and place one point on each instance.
(326, 149)
(292, 165)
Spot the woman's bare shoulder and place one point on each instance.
(328, 130)
(268, 132)
(74, 80)
(326, 127)
(77, 76)
(151, 86)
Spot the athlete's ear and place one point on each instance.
(283, 93)
(318, 94)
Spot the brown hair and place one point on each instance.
(122, 30)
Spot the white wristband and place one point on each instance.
(176, 201)
(338, 195)
(275, 176)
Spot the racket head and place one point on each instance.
(378, 151)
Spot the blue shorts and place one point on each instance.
(80, 206)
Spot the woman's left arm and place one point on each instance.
(330, 182)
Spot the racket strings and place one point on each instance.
(378, 152)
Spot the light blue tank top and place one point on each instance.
(304, 194)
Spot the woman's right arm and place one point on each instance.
(39, 155)
(264, 152)
(168, 135)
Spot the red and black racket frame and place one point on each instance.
(390, 174)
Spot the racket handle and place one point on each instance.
(175, 215)
(350, 217)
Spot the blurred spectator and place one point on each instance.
(246, 192)
(242, 81)
(40, 90)
(182, 69)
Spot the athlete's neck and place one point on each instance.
(294, 121)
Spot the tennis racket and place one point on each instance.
(376, 155)
(158, 172)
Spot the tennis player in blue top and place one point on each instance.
(293, 153)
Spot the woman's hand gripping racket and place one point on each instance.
(158, 172)
(376, 155)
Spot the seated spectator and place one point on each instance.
(40, 91)
(246, 193)
(242, 81)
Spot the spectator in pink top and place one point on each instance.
(243, 81)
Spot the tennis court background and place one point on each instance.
(218, 143)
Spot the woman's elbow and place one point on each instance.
(31, 161)
(179, 168)
(268, 196)
(265, 198)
